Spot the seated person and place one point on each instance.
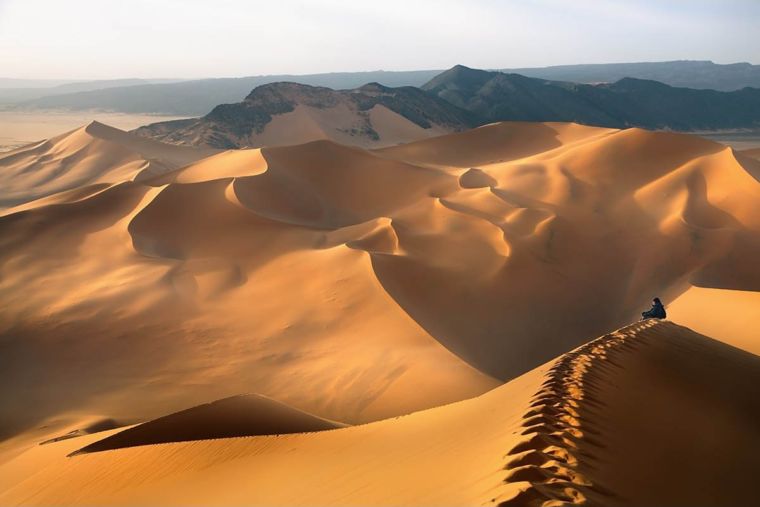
(656, 312)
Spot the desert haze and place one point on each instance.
(451, 320)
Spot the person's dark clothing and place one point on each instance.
(656, 312)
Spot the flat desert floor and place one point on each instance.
(743, 140)
(18, 128)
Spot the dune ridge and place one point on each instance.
(587, 446)
(357, 284)
(237, 416)
(95, 154)
(97, 426)
(622, 420)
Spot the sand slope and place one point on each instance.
(177, 283)
(93, 155)
(237, 416)
(652, 414)
(354, 284)
(286, 113)
(734, 315)
(594, 223)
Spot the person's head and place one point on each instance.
(656, 301)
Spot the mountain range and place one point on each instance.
(14, 91)
(198, 97)
(701, 74)
(291, 113)
(496, 96)
(193, 97)
(460, 98)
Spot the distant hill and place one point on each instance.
(14, 91)
(12, 82)
(198, 97)
(497, 96)
(289, 113)
(684, 73)
(624, 94)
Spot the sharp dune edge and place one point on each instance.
(347, 286)
(652, 414)
(90, 157)
(236, 416)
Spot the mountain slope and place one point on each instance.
(683, 73)
(495, 96)
(291, 113)
(197, 97)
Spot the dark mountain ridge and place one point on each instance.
(699, 74)
(497, 96)
(237, 125)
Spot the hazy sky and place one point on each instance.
(198, 38)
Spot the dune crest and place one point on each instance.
(619, 421)
(95, 154)
(238, 416)
(354, 284)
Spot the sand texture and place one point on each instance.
(191, 326)
(652, 414)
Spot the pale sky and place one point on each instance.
(103, 39)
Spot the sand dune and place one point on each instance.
(96, 426)
(733, 315)
(652, 414)
(20, 128)
(287, 113)
(593, 218)
(354, 284)
(497, 142)
(92, 155)
(237, 416)
(305, 124)
(184, 274)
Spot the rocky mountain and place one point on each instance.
(497, 96)
(198, 97)
(374, 115)
(701, 74)
(289, 113)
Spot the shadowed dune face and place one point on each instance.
(585, 237)
(357, 284)
(651, 414)
(238, 416)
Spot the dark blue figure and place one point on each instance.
(656, 312)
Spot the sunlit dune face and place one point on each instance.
(139, 279)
